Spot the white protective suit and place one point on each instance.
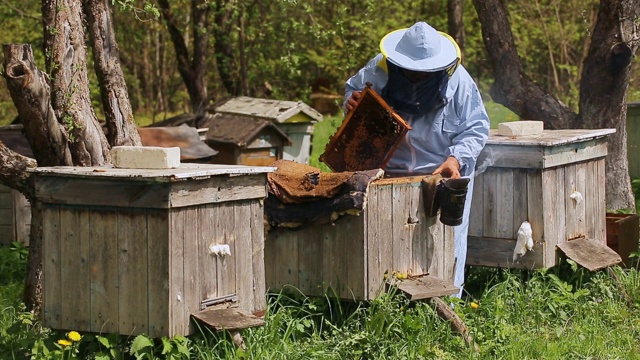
(457, 128)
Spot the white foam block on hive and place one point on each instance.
(145, 157)
(519, 128)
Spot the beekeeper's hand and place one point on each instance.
(353, 101)
(449, 168)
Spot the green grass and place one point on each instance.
(560, 313)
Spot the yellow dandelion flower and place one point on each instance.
(474, 305)
(74, 336)
(64, 342)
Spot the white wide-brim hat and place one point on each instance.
(420, 48)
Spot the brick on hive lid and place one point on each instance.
(145, 157)
(520, 128)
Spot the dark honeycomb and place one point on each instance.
(367, 137)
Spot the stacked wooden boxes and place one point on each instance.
(140, 251)
(349, 259)
(554, 180)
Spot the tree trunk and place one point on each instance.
(512, 87)
(29, 89)
(603, 89)
(66, 60)
(30, 93)
(223, 46)
(113, 89)
(455, 23)
(192, 71)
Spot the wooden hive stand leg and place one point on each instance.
(446, 312)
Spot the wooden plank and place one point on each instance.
(6, 234)
(549, 137)
(177, 315)
(224, 233)
(476, 215)
(135, 193)
(504, 204)
(22, 217)
(271, 264)
(52, 266)
(334, 261)
(372, 244)
(417, 224)
(512, 156)
(132, 271)
(590, 254)
(353, 259)
(103, 260)
(184, 172)
(310, 258)
(495, 252)
(104, 192)
(218, 189)
(258, 238)
(490, 211)
(437, 248)
(6, 217)
(522, 152)
(400, 229)
(551, 228)
(159, 270)
(207, 265)
(75, 275)
(601, 211)
(591, 189)
(520, 199)
(385, 231)
(6, 197)
(426, 287)
(191, 295)
(244, 258)
(535, 201)
(228, 319)
(576, 152)
(571, 205)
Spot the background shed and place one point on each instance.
(295, 118)
(242, 140)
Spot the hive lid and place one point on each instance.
(589, 253)
(367, 137)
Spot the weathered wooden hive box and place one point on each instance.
(554, 180)
(349, 259)
(134, 251)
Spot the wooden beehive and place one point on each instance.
(348, 259)
(367, 137)
(554, 180)
(15, 217)
(129, 251)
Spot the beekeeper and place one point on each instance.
(418, 73)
